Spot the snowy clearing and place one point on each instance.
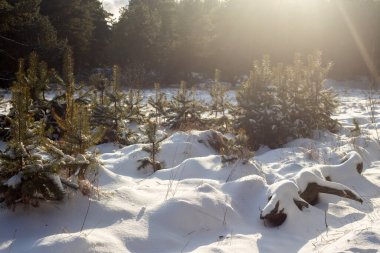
(200, 204)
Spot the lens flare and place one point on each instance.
(358, 41)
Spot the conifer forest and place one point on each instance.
(189, 126)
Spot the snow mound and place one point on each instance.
(209, 167)
(195, 211)
(184, 145)
(197, 203)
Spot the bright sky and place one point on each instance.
(113, 6)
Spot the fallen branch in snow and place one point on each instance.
(310, 195)
(306, 186)
(283, 196)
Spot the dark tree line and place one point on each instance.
(48, 27)
(167, 40)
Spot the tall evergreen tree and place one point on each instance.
(135, 35)
(84, 25)
(23, 30)
(145, 36)
(193, 30)
(101, 36)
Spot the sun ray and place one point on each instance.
(359, 42)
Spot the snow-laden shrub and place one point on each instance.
(184, 110)
(32, 167)
(24, 174)
(284, 102)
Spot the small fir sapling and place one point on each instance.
(159, 103)
(154, 143)
(184, 110)
(100, 83)
(239, 146)
(67, 87)
(214, 93)
(37, 77)
(112, 113)
(101, 115)
(356, 130)
(256, 100)
(231, 149)
(134, 106)
(24, 174)
(196, 110)
(279, 103)
(317, 104)
(77, 133)
(178, 107)
(120, 109)
(219, 103)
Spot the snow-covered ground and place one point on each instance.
(199, 204)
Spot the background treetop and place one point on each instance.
(166, 40)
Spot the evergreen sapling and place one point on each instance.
(112, 114)
(219, 103)
(184, 110)
(154, 141)
(24, 175)
(78, 135)
(159, 103)
(134, 106)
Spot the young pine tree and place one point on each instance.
(37, 78)
(280, 103)
(184, 110)
(100, 83)
(154, 141)
(112, 114)
(26, 174)
(259, 112)
(77, 133)
(116, 98)
(219, 103)
(134, 106)
(323, 102)
(159, 103)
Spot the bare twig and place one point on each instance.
(85, 217)
(14, 41)
(327, 227)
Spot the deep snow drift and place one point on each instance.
(199, 204)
